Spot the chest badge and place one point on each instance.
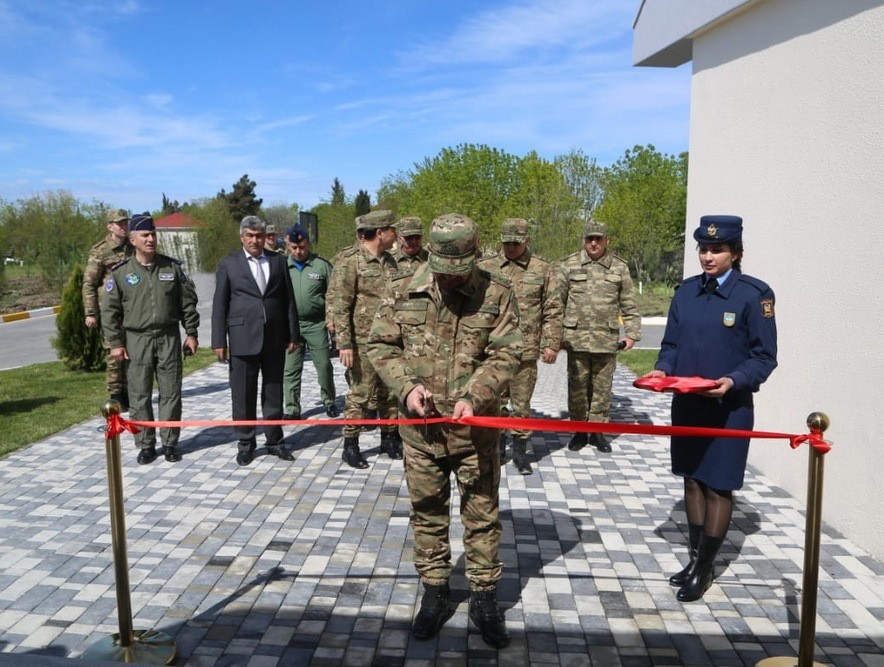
(132, 279)
(729, 319)
(167, 277)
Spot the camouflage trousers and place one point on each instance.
(429, 486)
(115, 376)
(519, 393)
(367, 392)
(590, 378)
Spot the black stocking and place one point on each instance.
(719, 508)
(694, 501)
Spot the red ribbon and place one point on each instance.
(116, 425)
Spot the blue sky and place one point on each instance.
(122, 101)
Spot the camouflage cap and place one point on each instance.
(117, 215)
(514, 230)
(593, 228)
(453, 239)
(270, 229)
(375, 220)
(410, 226)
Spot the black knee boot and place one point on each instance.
(435, 610)
(701, 578)
(679, 578)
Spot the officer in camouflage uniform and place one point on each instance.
(146, 299)
(410, 254)
(597, 291)
(361, 277)
(540, 312)
(104, 255)
(449, 345)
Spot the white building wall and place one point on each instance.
(787, 130)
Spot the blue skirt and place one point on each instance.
(717, 462)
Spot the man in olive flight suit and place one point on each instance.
(108, 252)
(449, 345)
(310, 276)
(146, 300)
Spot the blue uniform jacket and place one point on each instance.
(730, 333)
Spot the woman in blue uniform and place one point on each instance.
(721, 326)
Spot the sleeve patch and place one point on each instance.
(109, 285)
(767, 307)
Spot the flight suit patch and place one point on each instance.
(132, 279)
(729, 319)
(767, 308)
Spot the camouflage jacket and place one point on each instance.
(147, 298)
(360, 281)
(405, 267)
(461, 346)
(595, 296)
(540, 309)
(103, 256)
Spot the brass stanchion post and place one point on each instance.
(149, 647)
(816, 421)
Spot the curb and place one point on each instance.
(28, 314)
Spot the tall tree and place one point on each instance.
(337, 193)
(281, 216)
(242, 201)
(218, 232)
(362, 203)
(169, 206)
(644, 204)
(583, 177)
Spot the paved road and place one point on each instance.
(28, 341)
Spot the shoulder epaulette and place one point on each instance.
(760, 285)
(120, 263)
(100, 243)
(171, 259)
(498, 278)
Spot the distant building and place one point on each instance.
(787, 131)
(176, 237)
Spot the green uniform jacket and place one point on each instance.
(310, 285)
(103, 256)
(540, 308)
(361, 281)
(142, 298)
(463, 346)
(595, 295)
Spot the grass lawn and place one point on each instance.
(638, 361)
(40, 400)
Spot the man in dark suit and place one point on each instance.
(254, 322)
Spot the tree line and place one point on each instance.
(641, 196)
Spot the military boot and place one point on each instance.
(352, 456)
(701, 576)
(679, 578)
(577, 442)
(485, 614)
(391, 444)
(502, 446)
(435, 610)
(520, 456)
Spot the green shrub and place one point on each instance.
(78, 347)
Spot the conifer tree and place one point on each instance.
(78, 347)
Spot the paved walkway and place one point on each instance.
(309, 562)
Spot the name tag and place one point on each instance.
(314, 276)
(166, 277)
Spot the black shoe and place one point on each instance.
(244, 457)
(280, 452)
(577, 442)
(171, 454)
(147, 455)
(391, 444)
(435, 610)
(332, 410)
(602, 443)
(501, 445)
(352, 456)
(701, 576)
(520, 458)
(485, 614)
